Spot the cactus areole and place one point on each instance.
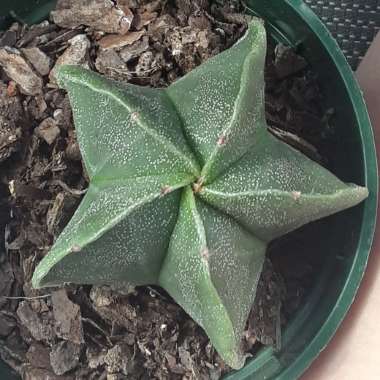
(187, 188)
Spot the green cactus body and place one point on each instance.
(187, 187)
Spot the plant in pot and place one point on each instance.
(187, 188)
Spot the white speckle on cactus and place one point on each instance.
(134, 116)
(166, 190)
(187, 187)
(296, 195)
(222, 140)
(205, 253)
(75, 248)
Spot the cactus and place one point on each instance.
(187, 188)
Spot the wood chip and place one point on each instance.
(108, 62)
(287, 62)
(39, 328)
(68, 317)
(64, 357)
(95, 359)
(9, 38)
(134, 50)
(101, 15)
(7, 324)
(152, 6)
(116, 359)
(117, 41)
(30, 373)
(12, 88)
(48, 130)
(54, 213)
(38, 356)
(143, 19)
(19, 70)
(9, 137)
(35, 32)
(266, 310)
(75, 54)
(40, 61)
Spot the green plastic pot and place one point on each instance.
(344, 240)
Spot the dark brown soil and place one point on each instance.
(84, 332)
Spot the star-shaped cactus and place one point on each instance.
(187, 187)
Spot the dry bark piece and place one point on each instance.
(112, 309)
(9, 137)
(64, 357)
(7, 324)
(174, 42)
(48, 130)
(9, 38)
(72, 151)
(68, 317)
(158, 29)
(131, 4)
(95, 358)
(12, 89)
(62, 114)
(115, 376)
(185, 358)
(116, 359)
(151, 6)
(58, 116)
(10, 106)
(30, 373)
(54, 214)
(287, 62)
(35, 31)
(264, 321)
(101, 15)
(108, 62)
(19, 70)
(38, 356)
(11, 357)
(143, 19)
(117, 41)
(75, 54)
(184, 6)
(39, 328)
(199, 21)
(134, 50)
(235, 18)
(38, 107)
(58, 41)
(38, 59)
(7, 279)
(145, 64)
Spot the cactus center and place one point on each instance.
(198, 185)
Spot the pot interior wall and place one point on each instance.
(343, 240)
